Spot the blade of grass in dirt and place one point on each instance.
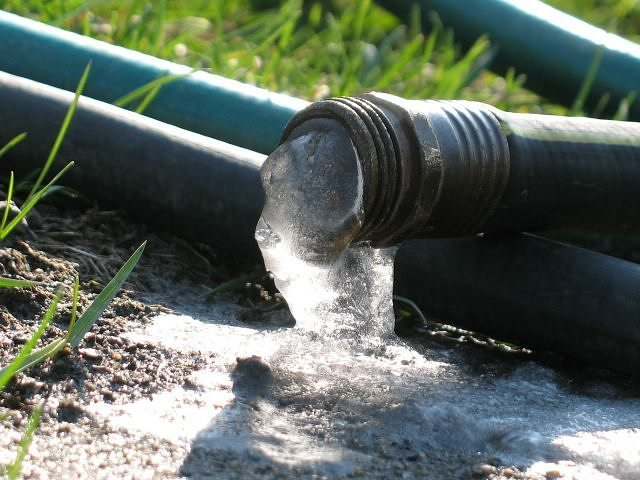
(91, 315)
(148, 88)
(13, 472)
(74, 302)
(28, 358)
(24, 358)
(15, 283)
(25, 185)
(12, 143)
(31, 202)
(7, 207)
(63, 190)
(63, 131)
(38, 356)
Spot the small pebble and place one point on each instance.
(90, 353)
(484, 469)
(107, 394)
(113, 340)
(64, 427)
(508, 472)
(116, 356)
(68, 402)
(103, 368)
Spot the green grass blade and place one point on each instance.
(578, 104)
(15, 283)
(7, 207)
(407, 56)
(63, 190)
(22, 361)
(13, 472)
(160, 11)
(622, 113)
(91, 315)
(146, 89)
(37, 356)
(146, 101)
(62, 133)
(74, 302)
(12, 143)
(31, 202)
(412, 304)
(67, 15)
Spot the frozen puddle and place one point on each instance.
(298, 403)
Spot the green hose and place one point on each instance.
(556, 51)
(214, 106)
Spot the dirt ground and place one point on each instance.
(107, 367)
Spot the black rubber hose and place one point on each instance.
(529, 291)
(181, 181)
(570, 173)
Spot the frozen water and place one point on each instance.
(349, 296)
(313, 210)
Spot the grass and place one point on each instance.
(78, 327)
(29, 357)
(13, 470)
(617, 16)
(307, 49)
(61, 134)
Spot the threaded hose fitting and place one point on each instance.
(430, 168)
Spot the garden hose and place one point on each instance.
(214, 106)
(531, 292)
(558, 53)
(178, 180)
(441, 169)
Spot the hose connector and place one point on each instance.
(430, 168)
